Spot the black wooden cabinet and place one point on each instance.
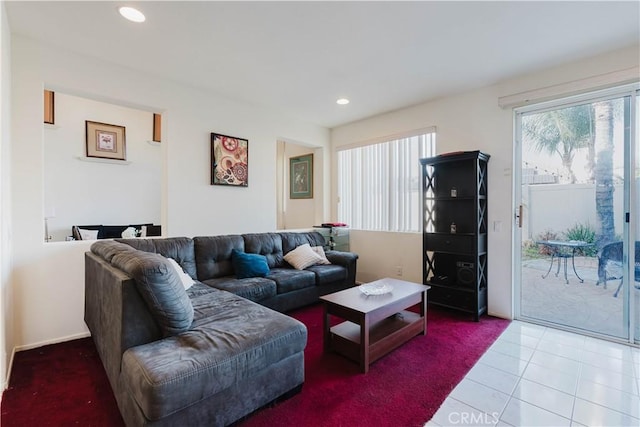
(454, 207)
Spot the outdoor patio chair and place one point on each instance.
(610, 258)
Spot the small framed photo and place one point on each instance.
(105, 141)
(301, 177)
(229, 160)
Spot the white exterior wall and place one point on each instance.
(467, 121)
(558, 207)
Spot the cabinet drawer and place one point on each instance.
(463, 244)
(453, 298)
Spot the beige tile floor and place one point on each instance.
(535, 375)
(538, 376)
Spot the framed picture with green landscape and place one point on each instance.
(301, 177)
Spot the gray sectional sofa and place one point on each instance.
(217, 351)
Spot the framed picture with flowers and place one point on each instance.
(229, 160)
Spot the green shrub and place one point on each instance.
(583, 232)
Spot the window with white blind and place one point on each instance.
(379, 184)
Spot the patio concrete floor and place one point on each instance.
(578, 305)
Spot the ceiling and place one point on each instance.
(299, 57)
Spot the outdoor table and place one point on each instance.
(564, 249)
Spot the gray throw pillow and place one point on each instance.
(160, 288)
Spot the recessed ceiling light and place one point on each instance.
(342, 101)
(132, 14)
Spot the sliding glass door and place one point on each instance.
(576, 236)
(634, 267)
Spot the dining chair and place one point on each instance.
(611, 256)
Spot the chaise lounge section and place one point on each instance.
(217, 351)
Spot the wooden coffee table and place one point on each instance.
(375, 324)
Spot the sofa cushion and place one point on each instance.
(302, 257)
(267, 244)
(213, 255)
(254, 289)
(112, 231)
(289, 279)
(249, 265)
(179, 248)
(231, 340)
(328, 273)
(160, 288)
(198, 289)
(292, 239)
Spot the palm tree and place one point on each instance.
(561, 132)
(588, 126)
(603, 147)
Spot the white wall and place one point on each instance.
(6, 312)
(467, 121)
(48, 279)
(85, 193)
(381, 254)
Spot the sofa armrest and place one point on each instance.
(344, 259)
(115, 313)
(347, 260)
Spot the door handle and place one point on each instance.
(518, 215)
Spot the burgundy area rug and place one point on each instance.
(59, 385)
(65, 384)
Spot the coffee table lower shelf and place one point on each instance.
(384, 336)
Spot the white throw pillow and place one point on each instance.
(320, 251)
(302, 257)
(186, 280)
(88, 234)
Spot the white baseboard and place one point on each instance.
(36, 345)
(53, 341)
(6, 383)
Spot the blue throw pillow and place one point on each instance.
(249, 265)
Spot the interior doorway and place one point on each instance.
(300, 213)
